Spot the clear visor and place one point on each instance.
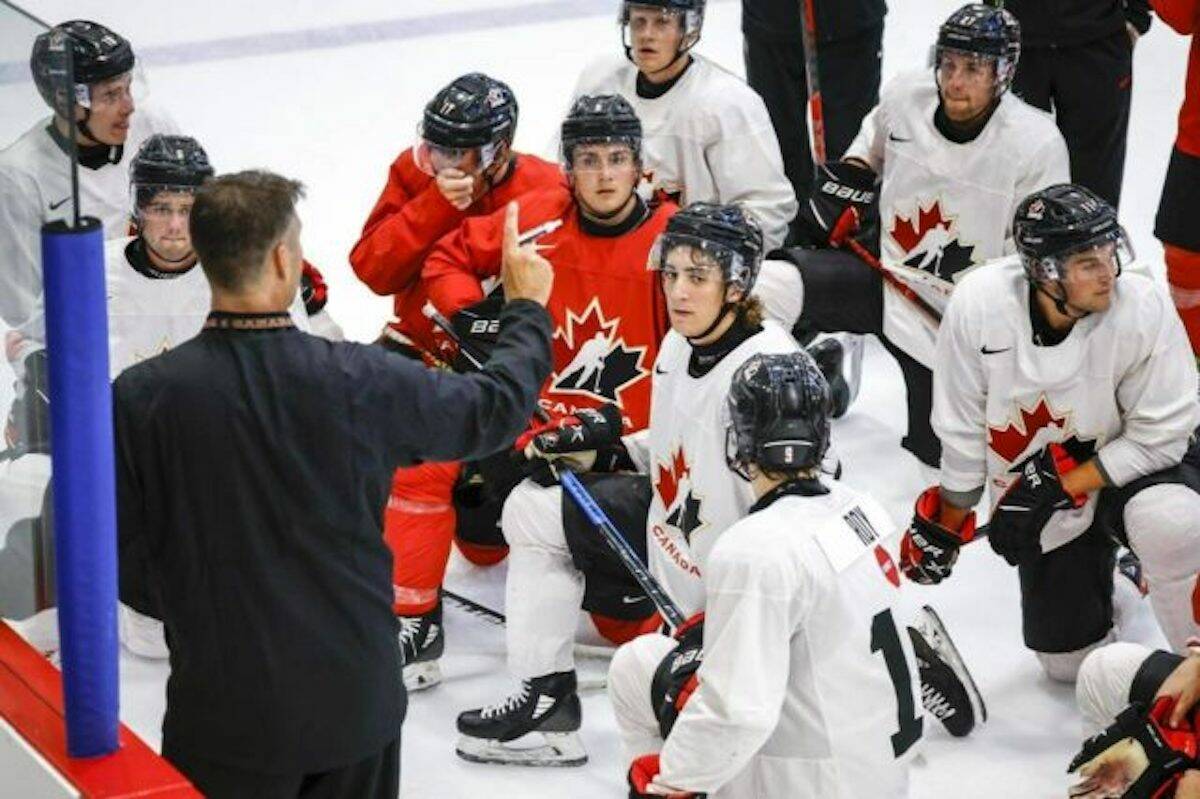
(950, 63)
(161, 200)
(1106, 256)
(699, 260)
(130, 87)
(596, 159)
(432, 158)
(636, 18)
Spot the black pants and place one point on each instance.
(844, 295)
(374, 777)
(849, 74)
(1066, 593)
(1088, 88)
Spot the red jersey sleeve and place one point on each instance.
(410, 215)
(1182, 15)
(463, 258)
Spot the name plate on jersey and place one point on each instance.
(846, 539)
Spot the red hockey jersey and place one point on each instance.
(1184, 17)
(608, 310)
(410, 215)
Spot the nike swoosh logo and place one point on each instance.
(54, 206)
(658, 371)
(894, 137)
(984, 349)
(633, 600)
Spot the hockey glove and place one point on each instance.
(588, 440)
(642, 785)
(841, 196)
(1015, 529)
(929, 549)
(477, 327)
(313, 290)
(1138, 757)
(675, 679)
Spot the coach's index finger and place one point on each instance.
(511, 234)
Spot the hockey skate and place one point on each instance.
(547, 706)
(948, 692)
(421, 645)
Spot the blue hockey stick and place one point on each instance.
(583, 498)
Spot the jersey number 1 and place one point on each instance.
(884, 637)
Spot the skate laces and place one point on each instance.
(410, 626)
(512, 703)
(937, 704)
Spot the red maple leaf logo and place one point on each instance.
(908, 235)
(1011, 440)
(670, 476)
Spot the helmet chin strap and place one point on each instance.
(1061, 305)
(725, 309)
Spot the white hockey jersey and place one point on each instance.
(708, 139)
(35, 188)
(809, 686)
(945, 207)
(149, 315)
(695, 496)
(1122, 385)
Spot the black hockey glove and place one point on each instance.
(1015, 528)
(588, 440)
(478, 327)
(675, 678)
(929, 549)
(1138, 756)
(841, 196)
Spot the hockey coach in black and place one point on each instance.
(253, 466)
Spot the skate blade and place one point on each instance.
(557, 750)
(420, 676)
(949, 652)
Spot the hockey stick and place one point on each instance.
(816, 108)
(444, 325)
(500, 620)
(899, 285)
(669, 610)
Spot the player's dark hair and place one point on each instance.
(237, 219)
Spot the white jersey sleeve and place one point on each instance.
(868, 144)
(708, 139)
(1158, 394)
(808, 685)
(20, 264)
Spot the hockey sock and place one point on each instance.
(1183, 275)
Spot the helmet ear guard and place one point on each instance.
(1051, 225)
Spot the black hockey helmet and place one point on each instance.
(472, 111)
(725, 233)
(167, 162)
(97, 54)
(778, 414)
(984, 31)
(691, 13)
(1056, 222)
(600, 118)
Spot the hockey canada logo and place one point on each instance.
(1011, 442)
(590, 357)
(930, 242)
(673, 483)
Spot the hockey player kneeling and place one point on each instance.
(1068, 387)
(809, 686)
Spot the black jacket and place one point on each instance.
(253, 467)
(779, 20)
(1063, 23)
